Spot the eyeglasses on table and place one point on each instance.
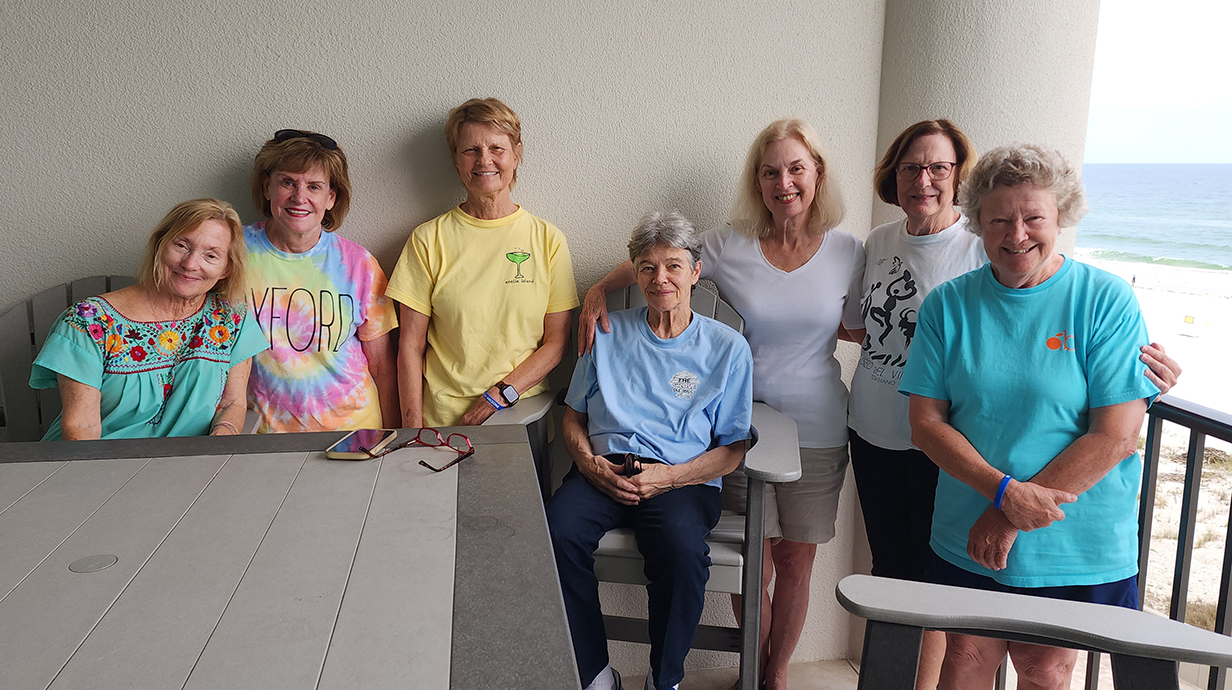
(431, 438)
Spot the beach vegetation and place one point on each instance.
(1215, 458)
(1208, 536)
(1201, 614)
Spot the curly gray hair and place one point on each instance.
(1039, 166)
(670, 229)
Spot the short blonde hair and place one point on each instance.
(750, 215)
(298, 155)
(1039, 166)
(488, 111)
(184, 218)
(885, 175)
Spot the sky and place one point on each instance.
(1162, 87)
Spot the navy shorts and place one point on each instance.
(1123, 593)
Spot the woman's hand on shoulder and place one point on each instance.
(1031, 506)
(594, 310)
(594, 307)
(1161, 370)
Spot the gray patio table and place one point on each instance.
(254, 562)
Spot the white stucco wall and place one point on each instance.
(118, 109)
(115, 110)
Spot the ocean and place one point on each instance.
(1167, 230)
(1164, 215)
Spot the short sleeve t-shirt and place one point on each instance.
(486, 286)
(1022, 370)
(668, 399)
(314, 309)
(901, 270)
(155, 378)
(791, 322)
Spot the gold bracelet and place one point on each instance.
(229, 424)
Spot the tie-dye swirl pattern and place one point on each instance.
(314, 309)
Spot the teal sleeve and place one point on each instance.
(250, 341)
(70, 352)
(924, 373)
(1114, 371)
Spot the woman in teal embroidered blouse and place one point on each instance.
(168, 356)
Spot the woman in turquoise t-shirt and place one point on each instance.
(1026, 392)
(168, 356)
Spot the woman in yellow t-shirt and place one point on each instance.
(484, 290)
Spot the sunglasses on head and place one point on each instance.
(288, 134)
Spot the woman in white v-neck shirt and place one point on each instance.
(796, 282)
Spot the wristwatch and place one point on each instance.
(508, 392)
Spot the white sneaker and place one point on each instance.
(608, 679)
(650, 682)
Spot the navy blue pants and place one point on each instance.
(897, 490)
(671, 530)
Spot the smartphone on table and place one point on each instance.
(361, 444)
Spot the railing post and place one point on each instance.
(1146, 505)
(1093, 661)
(1189, 518)
(1219, 676)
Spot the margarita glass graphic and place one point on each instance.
(517, 258)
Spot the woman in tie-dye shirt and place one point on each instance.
(319, 298)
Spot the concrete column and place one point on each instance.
(1002, 71)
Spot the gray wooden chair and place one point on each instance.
(27, 413)
(736, 542)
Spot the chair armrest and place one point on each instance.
(525, 412)
(776, 457)
(1048, 621)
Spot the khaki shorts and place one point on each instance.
(804, 510)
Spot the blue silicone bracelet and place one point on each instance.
(492, 400)
(996, 502)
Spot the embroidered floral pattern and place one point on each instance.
(220, 334)
(131, 347)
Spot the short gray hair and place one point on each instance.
(670, 229)
(1039, 166)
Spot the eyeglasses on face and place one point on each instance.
(936, 171)
(431, 438)
(288, 134)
